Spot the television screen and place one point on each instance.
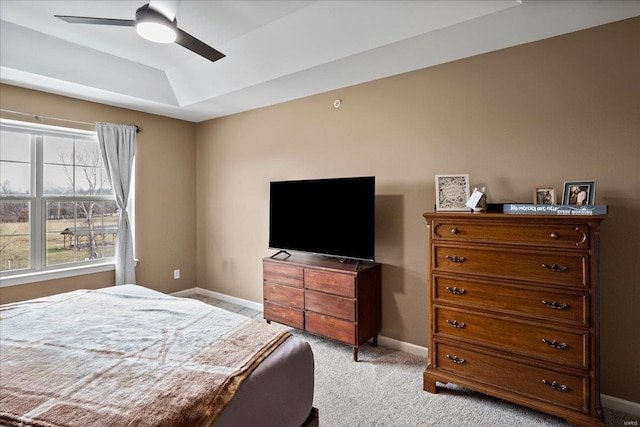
(333, 217)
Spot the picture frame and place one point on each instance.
(579, 193)
(544, 195)
(452, 192)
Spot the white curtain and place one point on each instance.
(118, 146)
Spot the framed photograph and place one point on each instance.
(452, 192)
(544, 196)
(579, 193)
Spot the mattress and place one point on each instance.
(278, 392)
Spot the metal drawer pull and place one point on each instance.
(456, 291)
(455, 258)
(454, 231)
(456, 359)
(554, 385)
(584, 236)
(554, 236)
(555, 344)
(555, 267)
(555, 305)
(455, 323)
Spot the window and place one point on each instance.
(57, 208)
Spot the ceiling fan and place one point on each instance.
(155, 21)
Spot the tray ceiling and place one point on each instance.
(276, 50)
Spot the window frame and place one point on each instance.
(39, 270)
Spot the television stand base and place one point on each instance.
(346, 261)
(280, 252)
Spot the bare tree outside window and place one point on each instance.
(77, 169)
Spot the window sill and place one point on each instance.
(21, 279)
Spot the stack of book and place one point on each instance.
(530, 209)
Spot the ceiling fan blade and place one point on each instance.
(196, 46)
(168, 8)
(97, 21)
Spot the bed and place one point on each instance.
(128, 355)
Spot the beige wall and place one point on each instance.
(165, 193)
(561, 109)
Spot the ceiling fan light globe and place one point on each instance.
(156, 32)
(154, 26)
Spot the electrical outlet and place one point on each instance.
(176, 274)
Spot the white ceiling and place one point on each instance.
(276, 50)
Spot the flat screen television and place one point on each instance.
(332, 217)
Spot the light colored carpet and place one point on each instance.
(384, 389)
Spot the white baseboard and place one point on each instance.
(416, 350)
(221, 297)
(620, 405)
(186, 292)
(610, 402)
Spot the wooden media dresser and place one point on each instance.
(324, 297)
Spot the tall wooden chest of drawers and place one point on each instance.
(513, 309)
(324, 297)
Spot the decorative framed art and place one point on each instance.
(579, 193)
(544, 196)
(452, 192)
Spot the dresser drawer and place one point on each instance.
(286, 274)
(558, 388)
(283, 295)
(528, 339)
(544, 303)
(285, 315)
(332, 305)
(330, 283)
(331, 327)
(546, 235)
(561, 268)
